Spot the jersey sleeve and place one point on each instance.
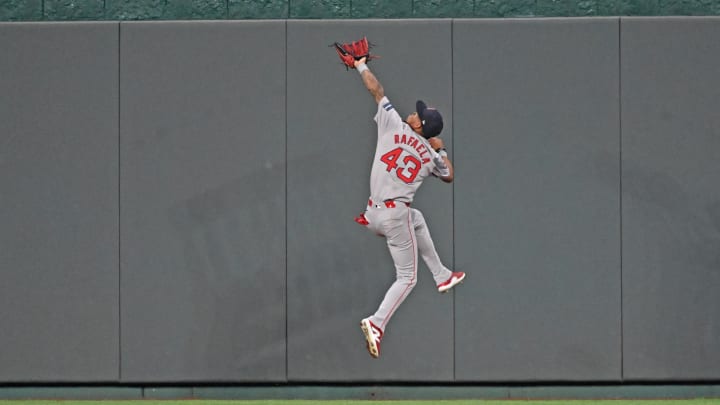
(386, 117)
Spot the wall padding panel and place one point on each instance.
(59, 202)
(338, 272)
(671, 199)
(203, 201)
(537, 213)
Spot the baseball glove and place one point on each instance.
(350, 52)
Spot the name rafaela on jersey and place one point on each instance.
(414, 143)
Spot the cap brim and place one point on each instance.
(420, 107)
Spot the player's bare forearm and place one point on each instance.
(371, 82)
(373, 85)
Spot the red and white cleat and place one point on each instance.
(373, 334)
(456, 278)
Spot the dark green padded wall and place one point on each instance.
(56, 10)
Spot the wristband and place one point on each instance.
(361, 68)
(442, 152)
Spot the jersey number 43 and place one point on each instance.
(406, 173)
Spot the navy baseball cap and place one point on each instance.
(432, 122)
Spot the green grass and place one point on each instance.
(371, 402)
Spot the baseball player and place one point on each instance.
(407, 152)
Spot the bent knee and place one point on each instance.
(410, 281)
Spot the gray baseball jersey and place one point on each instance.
(403, 159)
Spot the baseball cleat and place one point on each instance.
(456, 278)
(373, 334)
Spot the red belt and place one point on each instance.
(389, 203)
(360, 219)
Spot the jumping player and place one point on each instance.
(407, 152)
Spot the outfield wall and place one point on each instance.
(176, 201)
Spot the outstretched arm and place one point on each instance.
(369, 79)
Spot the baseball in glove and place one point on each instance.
(350, 52)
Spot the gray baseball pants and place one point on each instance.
(406, 233)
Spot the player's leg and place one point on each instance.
(401, 241)
(426, 248)
(445, 279)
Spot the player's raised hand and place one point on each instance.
(360, 61)
(436, 143)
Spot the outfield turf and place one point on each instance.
(371, 402)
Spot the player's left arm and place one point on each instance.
(445, 170)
